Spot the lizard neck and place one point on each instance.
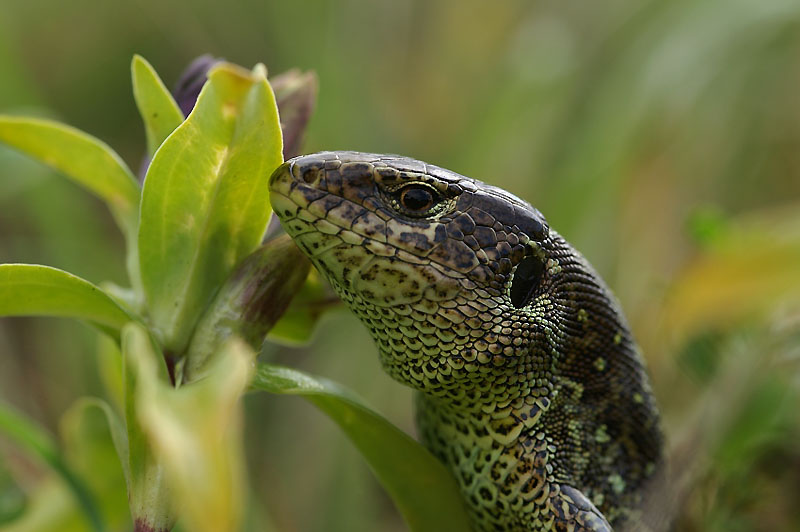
(501, 460)
(471, 352)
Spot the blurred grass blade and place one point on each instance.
(297, 324)
(144, 370)
(75, 429)
(12, 499)
(51, 508)
(81, 157)
(196, 433)
(110, 370)
(34, 440)
(247, 306)
(422, 488)
(159, 111)
(746, 272)
(34, 290)
(87, 430)
(205, 204)
(96, 448)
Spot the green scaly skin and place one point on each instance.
(531, 390)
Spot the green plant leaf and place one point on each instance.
(81, 157)
(195, 431)
(89, 432)
(34, 290)
(422, 488)
(160, 113)
(96, 448)
(247, 306)
(205, 203)
(12, 498)
(51, 508)
(110, 369)
(34, 440)
(144, 370)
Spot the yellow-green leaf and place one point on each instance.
(160, 113)
(81, 157)
(96, 448)
(195, 432)
(205, 203)
(422, 488)
(144, 370)
(34, 290)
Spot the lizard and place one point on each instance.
(530, 386)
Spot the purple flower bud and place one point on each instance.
(251, 301)
(188, 87)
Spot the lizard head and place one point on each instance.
(471, 299)
(446, 272)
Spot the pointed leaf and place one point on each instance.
(159, 111)
(195, 431)
(205, 202)
(149, 497)
(81, 157)
(33, 290)
(422, 488)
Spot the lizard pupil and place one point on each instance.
(416, 198)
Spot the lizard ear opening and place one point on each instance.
(526, 279)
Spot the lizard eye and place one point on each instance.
(526, 279)
(417, 199)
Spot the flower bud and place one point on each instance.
(250, 302)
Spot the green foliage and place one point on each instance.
(149, 495)
(159, 111)
(94, 439)
(253, 300)
(35, 440)
(12, 498)
(660, 138)
(33, 290)
(429, 499)
(168, 442)
(81, 157)
(205, 204)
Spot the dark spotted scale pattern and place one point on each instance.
(541, 406)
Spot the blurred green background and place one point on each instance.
(661, 138)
